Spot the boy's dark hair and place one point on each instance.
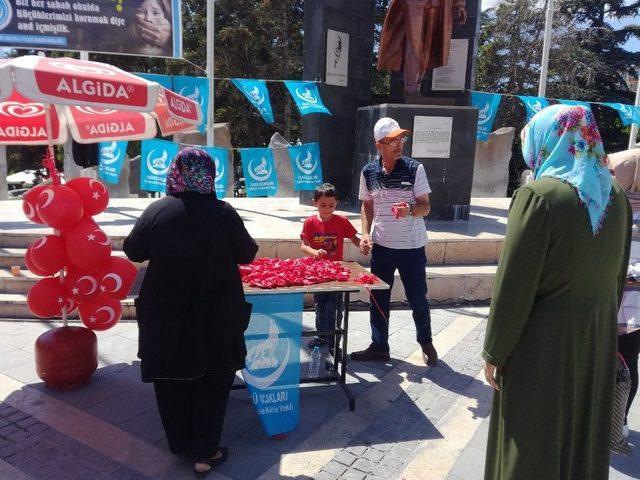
(324, 190)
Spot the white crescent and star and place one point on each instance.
(109, 310)
(29, 210)
(106, 241)
(39, 243)
(96, 195)
(94, 284)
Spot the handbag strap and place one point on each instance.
(621, 358)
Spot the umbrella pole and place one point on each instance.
(50, 164)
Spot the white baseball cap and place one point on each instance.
(388, 128)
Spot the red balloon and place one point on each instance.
(48, 254)
(116, 277)
(101, 314)
(88, 247)
(30, 200)
(45, 298)
(71, 305)
(83, 286)
(31, 266)
(94, 195)
(59, 206)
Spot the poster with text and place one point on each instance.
(152, 28)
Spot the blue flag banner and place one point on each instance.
(487, 104)
(272, 374)
(259, 170)
(111, 156)
(220, 157)
(575, 103)
(155, 160)
(197, 89)
(257, 93)
(533, 105)
(165, 80)
(307, 97)
(628, 113)
(306, 166)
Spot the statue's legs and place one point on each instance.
(422, 32)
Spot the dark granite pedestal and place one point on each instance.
(450, 178)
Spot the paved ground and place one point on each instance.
(410, 421)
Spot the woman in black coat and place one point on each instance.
(191, 309)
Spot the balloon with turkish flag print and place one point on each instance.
(48, 254)
(82, 285)
(117, 277)
(88, 247)
(101, 314)
(94, 195)
(30, 201)
(31, 266)
(59, 206)
(46, 298)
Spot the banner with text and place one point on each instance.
(111, 158)
(306, 166)
(628, 113)
(152, 28)
(272, 374)
(259, 168)
(155, 160)
(220, 158)
(487, 105)
(197, 89)
(533, 105)
(307, 97)
(165, 80)
(257, 93)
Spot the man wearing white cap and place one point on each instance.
(395, 199)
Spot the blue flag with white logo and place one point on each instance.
(259, 169)
(197, 89)
(487, 105)
(575, 103)
(220, 158)
(111, 158)
(272, 374)
(533, 105)
(307, 97)
(165, 80)
(306, 166)
(628, 113)
(155, 160)
(257, 93)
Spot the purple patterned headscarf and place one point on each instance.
(192, 170)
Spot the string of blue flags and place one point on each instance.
(305, 94)
(258, 166)
(489, 103)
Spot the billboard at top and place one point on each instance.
(152, 28)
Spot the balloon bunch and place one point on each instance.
(76, 261)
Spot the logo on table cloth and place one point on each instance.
(260, 172)
(21, 110)
(158, 165)
(6, 14)
(110, 153)
(306, 95)
(264, 358)
(308, 164)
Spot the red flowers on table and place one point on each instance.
(276, 272)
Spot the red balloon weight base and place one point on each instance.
(66, 357)
(280, 436)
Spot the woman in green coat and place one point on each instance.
(550, 346)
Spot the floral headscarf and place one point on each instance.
(564, 142)
(192, 170)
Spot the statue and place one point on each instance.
(416, 36)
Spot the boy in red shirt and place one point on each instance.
(323, 237)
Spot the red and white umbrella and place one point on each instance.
(43, 99)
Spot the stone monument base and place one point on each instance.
(450, 177)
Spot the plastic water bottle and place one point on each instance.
(314, 364)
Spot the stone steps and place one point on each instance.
(446, 284)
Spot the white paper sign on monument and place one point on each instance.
(431, 137)
(337, 58)
(453, 75)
